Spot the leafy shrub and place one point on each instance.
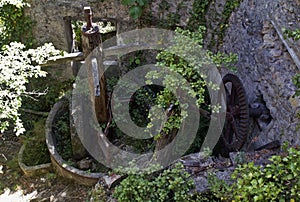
(277, 181)
(14, 24)
(170, 185)
(188, 65)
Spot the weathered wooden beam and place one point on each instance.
(91, 39)
(289, 48)
(79, 56)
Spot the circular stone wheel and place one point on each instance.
(235, 130)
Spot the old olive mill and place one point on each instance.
(238, 110)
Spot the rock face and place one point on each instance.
(265, 66)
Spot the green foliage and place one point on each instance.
(294, 34)
(277, 181)
(198, 14)
(136, 7)
(296, 81)
(179, 65)
(17, 65)
(189, 70)
(98, 194)
(63, 135)
(224, 60)
(14, 24)
(200, 8)
(218, 188)
(170, 185)
(36, 151)
(229, 7)
(54, 88)
(76, 26)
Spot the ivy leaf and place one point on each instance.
(135, 12)
(142, 2)
(137, 61)
(128, 2)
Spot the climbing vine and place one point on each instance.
(198, 14)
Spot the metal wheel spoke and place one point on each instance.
(236, 129)
(233, 95)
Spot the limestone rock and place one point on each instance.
(85, 164)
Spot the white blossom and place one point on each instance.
(16, 67)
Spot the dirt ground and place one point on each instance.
(15, 186)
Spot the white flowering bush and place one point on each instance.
(17, 3)
(17, 65)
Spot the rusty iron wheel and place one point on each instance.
(235, 130)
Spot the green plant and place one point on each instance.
(229, 7)
(189, 70)
(98, 194)
(224, 60)
(294, 34)
(172, 184)
(63, 135)
(198, 14)
(14, 24)
(296, 81)
(36, 151)
(76, 26)
(166, 98)
(277, 181)
(218, 188)
(136, 7)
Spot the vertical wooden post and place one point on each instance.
(91, 39)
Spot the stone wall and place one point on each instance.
(266, 67)
(53, 16)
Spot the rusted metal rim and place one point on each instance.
(236, 126)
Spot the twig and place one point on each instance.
(4, 157)
(37, 94)
(35, 112)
